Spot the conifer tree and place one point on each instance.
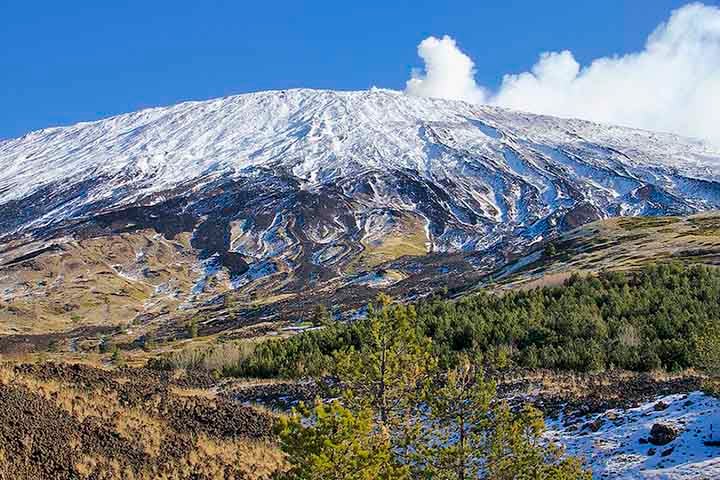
(321, 315)
(455, 424)
(398, 418)
(387, 371)
(516, 449)
(470, 435)
(330, 442)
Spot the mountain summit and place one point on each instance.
(274, 194)
(493, 167)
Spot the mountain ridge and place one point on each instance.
(142, 157)
(298, 195)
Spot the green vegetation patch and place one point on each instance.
(393, 247)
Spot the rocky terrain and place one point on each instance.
(671, 437)
(628, 425)
(75, 421)
(65, 421)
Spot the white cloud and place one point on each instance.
(449, 73)
(672, 85)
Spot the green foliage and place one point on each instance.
(470, 435)
(711, 386)
(707, 352)
(386, 371)
(550, 250)
(106, 346)
(638, 321)
(516, 450)
(400, 417)
(306, 354)
(654, 318)
(117, 357)
(457, 419)
(707, 357)
(333, 442)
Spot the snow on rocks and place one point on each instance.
(647, 442)
(482, 165)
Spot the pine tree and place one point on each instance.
(397, 414)
(467, 434)
(321, 315)
(707, 348)
(193, 328)
(330, 442)
(385, 374)
(455, 425)
(117, 357)
(515, 449)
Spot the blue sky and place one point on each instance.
(70, 61)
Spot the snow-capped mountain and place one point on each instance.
(312, 188)
(473, 173)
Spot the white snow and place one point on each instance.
(319, 134)
(615, 451)
(489, 170)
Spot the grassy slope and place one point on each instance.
(81, 285)
(624, 243)
(409, 238)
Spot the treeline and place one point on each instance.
(655, 318)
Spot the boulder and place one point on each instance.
(662, 434)
(595, 425)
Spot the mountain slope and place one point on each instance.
(290, 196)
(493, 165)
(625, 243)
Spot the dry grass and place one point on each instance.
(96, 281)
(92, 466)
(7, 374)
(208, 457)
(268, 299)
(193, 392)
(132, 424)
(623, 244)
(213, 357)
(409, 238)
(581, 384)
